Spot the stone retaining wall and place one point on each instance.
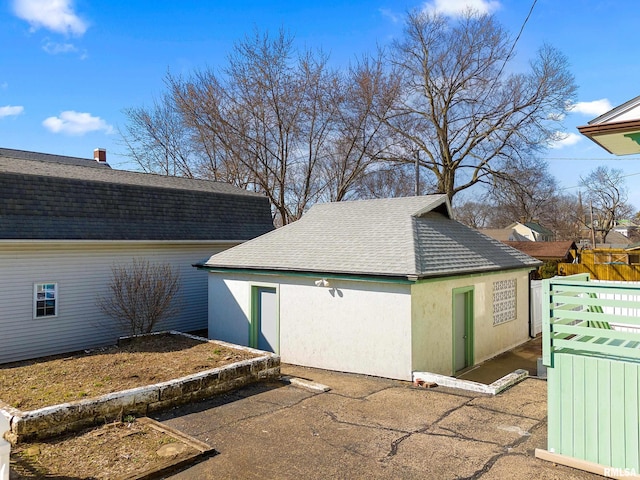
(49, 421)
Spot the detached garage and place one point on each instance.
(380, 287)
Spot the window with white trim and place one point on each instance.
(45, 300)
(504, 301)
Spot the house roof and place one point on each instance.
(545, 250)
(504, 234)
(411, 237)
(536, 227)
(50, 157)
(618, 130)
(51, 197)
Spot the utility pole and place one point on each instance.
(417, 154)
(593, 231)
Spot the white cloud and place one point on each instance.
(395, 18)
(595, 108)
(55, 48)
(76, 123)
(455, 8)
(10, 111)
(55, 15)
(565, 140)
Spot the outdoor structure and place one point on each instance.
(591, 347)
(548, 251)
(64, 222)
(618, 130)
(381, 287)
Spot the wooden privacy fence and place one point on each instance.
(605, 264)
(602, 271)
(591, 347)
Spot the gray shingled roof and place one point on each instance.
(50, 157)
(52, 197)
(412, 237)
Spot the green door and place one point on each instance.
(462, 328)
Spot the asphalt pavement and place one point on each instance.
(370, 428)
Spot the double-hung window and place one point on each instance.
(45, 300)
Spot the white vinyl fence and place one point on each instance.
(625, 311)
(535, 307)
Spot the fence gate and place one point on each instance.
(593, 374)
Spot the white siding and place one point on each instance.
(82, 272)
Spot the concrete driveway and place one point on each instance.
(367, 427)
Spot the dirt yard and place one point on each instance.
(49, 381)
(118, 449)
(115, 450)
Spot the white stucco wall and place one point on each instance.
(82, 271)
(352, 326)
(432, 320)
(375, 328)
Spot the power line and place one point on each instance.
(621, 176)
(513, 45)
(603, 159)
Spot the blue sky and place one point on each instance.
(70, 68)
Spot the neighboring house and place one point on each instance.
(64, 222)
(380, 287)
(618, 130)
(520, 232)
(627, 228)
(532, 231)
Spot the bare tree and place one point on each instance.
(158, 140)
(141, 295)
(563, 217)
(461, 109)
(475, 214)
(268, 117)
(606, 191)
(363, 97)
(524, 190)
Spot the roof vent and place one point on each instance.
(100, 155)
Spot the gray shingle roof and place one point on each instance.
(50, 197)
(411, 237)
(50, 157)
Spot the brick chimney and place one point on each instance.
(100, 155)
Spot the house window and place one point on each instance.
(504, 301)
(45, 299)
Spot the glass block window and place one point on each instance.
(45, 300)
(504, 301)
